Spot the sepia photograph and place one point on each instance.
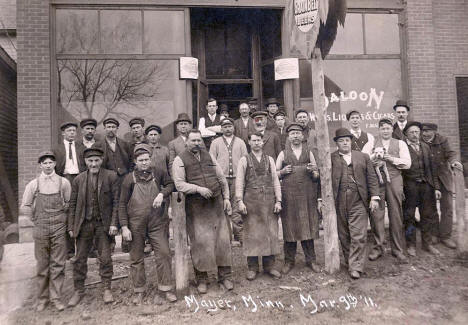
(233, 162)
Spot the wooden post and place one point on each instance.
(182, 256)
(460, 214)
(332, 256)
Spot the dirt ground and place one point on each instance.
(428, 290)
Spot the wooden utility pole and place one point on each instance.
(181, 253)
(460, 214)
(332, 255)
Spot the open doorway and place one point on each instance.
(236, 49)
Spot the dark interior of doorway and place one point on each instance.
(462, 101)
(234, 47)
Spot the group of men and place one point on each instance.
(239, 178)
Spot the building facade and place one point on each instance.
(118, 58)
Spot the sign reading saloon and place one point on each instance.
(305, 14)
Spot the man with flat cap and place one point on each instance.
(197, 174)
(244, 124)
(88, 131)
(183, 124)
(70, 163)
(272, 107)
(356, 191)
(159, 153)
(141, 214)
(444, 159)
(397, 158)
(117, 152)
(302, 117)
(227, 150)
(272, 142)
(401, 109)
(92, 218)
(137, 125)
(298, 171)
(280, 120)
(46, 199)
(360, 138)
(421, 188)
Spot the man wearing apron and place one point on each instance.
(46, 200)
(258, 193)
(141, 214)
(197, 174)
(299, 173)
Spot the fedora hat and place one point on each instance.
(342, 133)
(183, 117)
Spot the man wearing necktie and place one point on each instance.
(360, 138)
(353, 181)
(401, 109)
(421, 188)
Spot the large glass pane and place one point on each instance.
(164, 32)
(122, 89)
(382, 34)
(270, 87)
(77, 31)
(349, 39)
(121, 32)
(269, 24)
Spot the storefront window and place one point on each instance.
(77, 31)
(121, 32)
(164, 32)
(349, 40)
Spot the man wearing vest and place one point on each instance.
(401, 109)
(227, 150)
(272, 107)
(244, 125)
(421, 188)
(141, 214)
(299, 216)
(271, 140)
(360, 138)
(92, 217)
(197, 174)
(210, 126)
(46, 200)
(258, 193)
(302, 117)
(445, 158)
(353, 181)
(88, 130)
(397, 158)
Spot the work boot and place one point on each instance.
(75, 299)
(273, 273)
(228, 284)
(401, 258)
(171, 297)
(313, 266)
(137, 298)
(202, 288)
(251, 275)
(42, 305)
(59, 305)
(449, 243)
(411, 251)
(431, 250)
(107, 296)
(375, 254)
(287, 267)
(354, 275)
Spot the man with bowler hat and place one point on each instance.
(401, 109)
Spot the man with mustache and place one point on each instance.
(244, 124)
(92, 217)
(271, 140)
(117, 152)
(88, 130)
(197, 174)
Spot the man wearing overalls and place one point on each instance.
(46, 200)
(141, 214)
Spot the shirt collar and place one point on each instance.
(51, 176)
(67, 142)
(412, 143)
(356, 133)
(345, 154)
(402, 124)
(212, 117)
(111, 141)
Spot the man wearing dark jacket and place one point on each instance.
(444, 158)
(93, 215)
(401, 109)
(117, 152)
(421, 189)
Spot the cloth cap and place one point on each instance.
(153, 127)
(45, 154)
(429, 126)
(111, 120)
(88, 121)
(227, 120)
(272, 101)
(137, 120)
(410, 124)
(66, 125)
(259, 113)
(280, 113)
(294, 127)
(93, 151)
(140, 149)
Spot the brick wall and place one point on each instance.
(34, 119)
(437, 51)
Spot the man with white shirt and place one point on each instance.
(210, 126)
(227, 150)
(271, 140)
(360, 138)
(401, 109)
(88, 131)
(353, 181)
(397, 157)
(244, 125)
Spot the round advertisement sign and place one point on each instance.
(305, 14)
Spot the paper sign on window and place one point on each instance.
(287, 69)
(188, 67)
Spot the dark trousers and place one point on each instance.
(154, 229)
(70, 242)
(392, 193)
(443, 228)
(268, 263)
(93, 231)
(235, 217)
(352, 219)
(419, 195)
(224, 272)
(290, 249)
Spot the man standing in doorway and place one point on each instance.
(360, 138)
(280, 120)
(201, 179)
(210, 126)
(244, 125)
(353, 181)
(444, 158)
(397, 157)
(272, 107)
(272, 142)
(46, 200)
(401, 109)
(92, 218)
(258, 193)
(227, 150)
